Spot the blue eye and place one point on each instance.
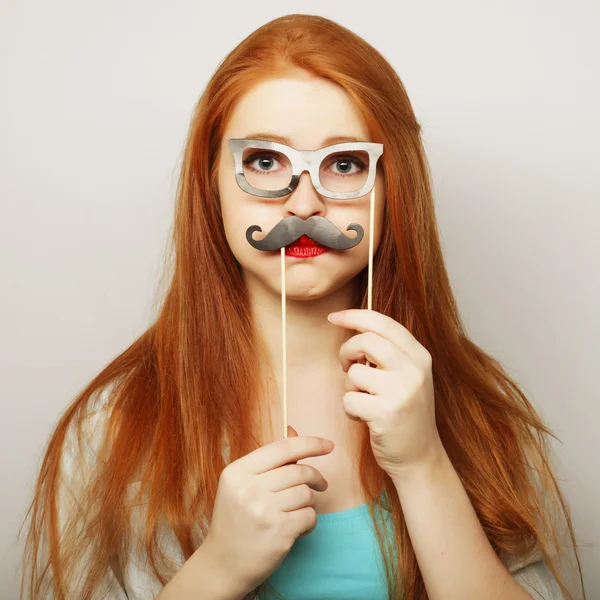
(348, 161)
(261, 157)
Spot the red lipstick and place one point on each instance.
(305, 247)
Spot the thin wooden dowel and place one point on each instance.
(370, 271)
(283, 342)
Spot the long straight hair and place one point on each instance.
(190, 381)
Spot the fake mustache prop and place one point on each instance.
(317, 228)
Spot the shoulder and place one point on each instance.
(85, 434)
(531, 571)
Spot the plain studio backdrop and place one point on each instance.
(95, 105)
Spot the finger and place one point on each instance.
(370, 320)
(353, 417)
(368, 379)
(349, 385)
(292, 475)
(291, 432)
(284, 451)
(305, 519)
(296, 497)
(362, 406)
(376, 349)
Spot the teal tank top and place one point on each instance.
(339, 559)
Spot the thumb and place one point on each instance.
(291, 431)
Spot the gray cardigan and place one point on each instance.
(136, 582)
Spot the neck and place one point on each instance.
(312, 342)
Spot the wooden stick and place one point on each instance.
(370, 272)
(283, 342)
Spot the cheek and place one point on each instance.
(235, 225)
(230, 223)
(238, 214)
(231, 198)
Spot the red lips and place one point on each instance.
(304, 240)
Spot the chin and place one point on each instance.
(305, 279)
(305, 295)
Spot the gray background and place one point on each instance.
(95, 104)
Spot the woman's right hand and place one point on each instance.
(264, 502)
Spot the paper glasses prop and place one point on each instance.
(267, 181)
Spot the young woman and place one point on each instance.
(171, 473)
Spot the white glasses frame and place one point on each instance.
(304, 160)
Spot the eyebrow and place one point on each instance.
(272, 137)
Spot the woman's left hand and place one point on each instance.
(395, 397)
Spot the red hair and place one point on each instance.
(191, 378)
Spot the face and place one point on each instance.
(306, 111)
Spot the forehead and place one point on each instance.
(306, 110)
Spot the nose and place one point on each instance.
(304, 201)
